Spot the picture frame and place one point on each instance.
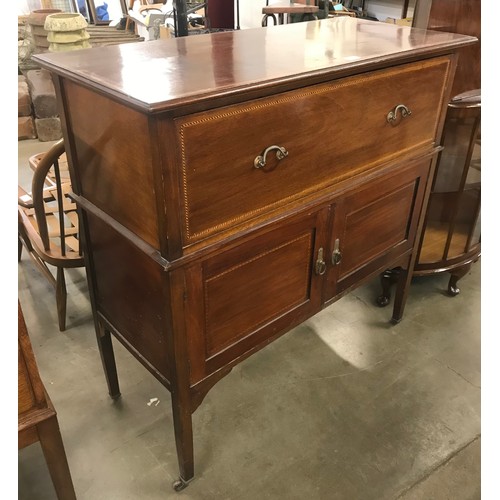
(103, 12)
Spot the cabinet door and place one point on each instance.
(251, 292)
(374, 226)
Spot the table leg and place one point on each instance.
(183, 427)
(55, 456)
(108, 361)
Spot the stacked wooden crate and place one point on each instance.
(108, 35)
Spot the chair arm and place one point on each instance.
(153, 6)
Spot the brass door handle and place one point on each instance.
(320, 267)
(392, 116)
(260, 161)
(336, 254)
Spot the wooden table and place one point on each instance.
(306, 12)
(37, 418)
(232, 185)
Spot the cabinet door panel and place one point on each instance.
(254, 290)
(374, 225)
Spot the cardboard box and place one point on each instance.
(407, 21)
(165, 32)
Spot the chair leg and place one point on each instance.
(22, 239)
(266, 17)
(61, 296)
(19, 249)
(55, 456)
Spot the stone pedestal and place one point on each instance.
(67, 31)
(36, 22)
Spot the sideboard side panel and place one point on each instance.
(129, 295)
(114, 162)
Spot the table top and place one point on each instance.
(290, 9)
(163, 74)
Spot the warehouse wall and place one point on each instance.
(251, 10)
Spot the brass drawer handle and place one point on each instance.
(392, 116)
(320, 267)
(336, 254)
(260, 161)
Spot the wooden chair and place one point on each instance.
(343, 10)
(37, 418)
(302, 10)
(145, 6)
(130, 7)
(48, 222)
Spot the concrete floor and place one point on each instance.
(345, 406)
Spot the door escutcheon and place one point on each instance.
(320, 263)
(336, 254)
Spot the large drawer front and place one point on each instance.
(331, 131)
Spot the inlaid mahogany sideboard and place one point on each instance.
(232, 185)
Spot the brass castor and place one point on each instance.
(180, 484)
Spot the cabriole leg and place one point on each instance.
(387, 279)
(404, 280)
(457, 274)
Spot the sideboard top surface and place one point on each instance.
(163, 74)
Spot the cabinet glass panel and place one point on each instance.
(453, 215)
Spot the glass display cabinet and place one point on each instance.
(451, 236)
(452, 233)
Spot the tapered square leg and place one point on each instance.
(55, 456)
(108, 361)
(183, 428)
